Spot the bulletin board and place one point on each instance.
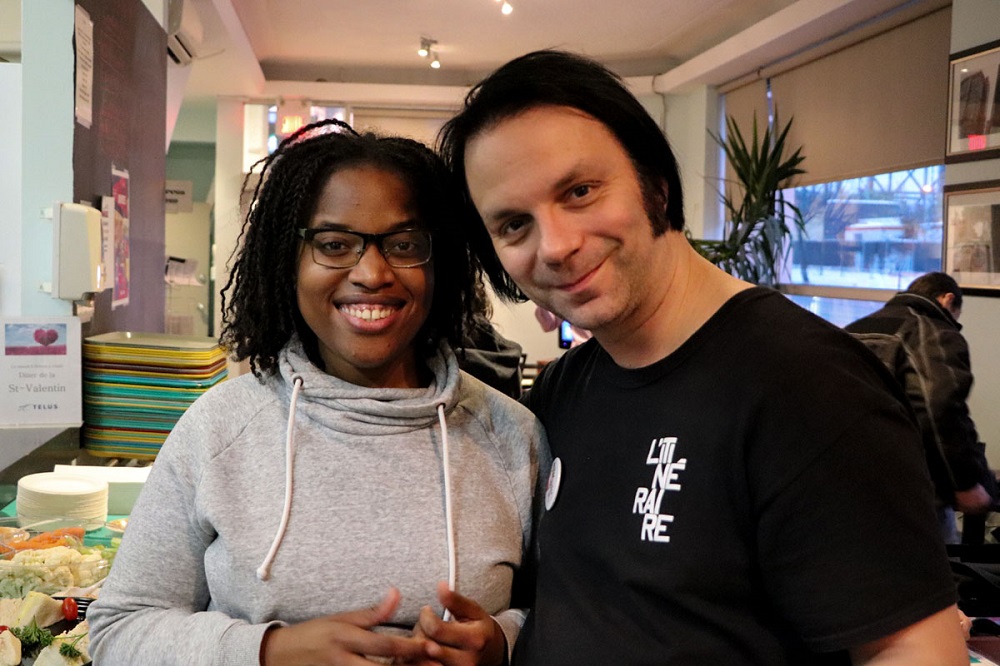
(128, 134)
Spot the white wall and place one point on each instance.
(980, 326)
(974, 23)
(47, 142)
(689, 118)
(196, 123)
(10, 190)
(971, 172)
(228, 185)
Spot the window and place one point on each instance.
(316, 113)
(876, 232)
(262, 134)
(837, 311)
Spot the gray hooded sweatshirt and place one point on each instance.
(204, 568)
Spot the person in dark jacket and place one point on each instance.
(486, 355)
(917, 335)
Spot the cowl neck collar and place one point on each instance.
(354, 409)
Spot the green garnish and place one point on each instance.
(69, 649)
(33, 638)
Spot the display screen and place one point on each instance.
(565, 335)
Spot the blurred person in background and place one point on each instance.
(550, 322)
(917, 335)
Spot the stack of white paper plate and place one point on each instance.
(56, 495)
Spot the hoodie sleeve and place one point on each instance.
(152, 608)
(523, 587)
(525, 447)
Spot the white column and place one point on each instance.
(47, 142)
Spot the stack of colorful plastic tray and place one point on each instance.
(136, 386)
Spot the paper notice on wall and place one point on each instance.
(84, 40)
(40, 378)
(121, 248)
(178, 198)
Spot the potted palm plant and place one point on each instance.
(759, 221)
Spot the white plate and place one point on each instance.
(56, 483)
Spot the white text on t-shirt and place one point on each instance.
(648, 501)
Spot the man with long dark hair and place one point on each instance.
(718, 451)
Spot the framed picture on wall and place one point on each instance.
(972, 236)
(974, 104)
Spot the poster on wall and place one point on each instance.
(40, 378)
(84, 42)
(108, 239)
(972, 236)
(120, 243)
(974, 110)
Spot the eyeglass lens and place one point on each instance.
(344, 249)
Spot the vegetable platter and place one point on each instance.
(50, 557)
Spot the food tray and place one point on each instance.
(49, 557)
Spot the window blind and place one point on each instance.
(876, 106)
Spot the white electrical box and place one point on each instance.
(76, 252)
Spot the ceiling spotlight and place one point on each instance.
(506, 8)
(425, 46)
(435, 63)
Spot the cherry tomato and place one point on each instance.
(70, 608)
(3, 628)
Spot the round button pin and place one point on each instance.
(552, 487)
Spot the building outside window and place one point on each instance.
(875, 233)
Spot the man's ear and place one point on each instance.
(947, 301)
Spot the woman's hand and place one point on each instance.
(966, 624)
(471, 638)
(341, 639)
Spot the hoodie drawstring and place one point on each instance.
(264, 570)
(448, 518)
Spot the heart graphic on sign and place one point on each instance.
(46, 337)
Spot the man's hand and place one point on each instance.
(471, 638)
(975, 500)
(344, 638)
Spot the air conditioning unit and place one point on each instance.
(184, 31)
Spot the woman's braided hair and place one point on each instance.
(259, 307)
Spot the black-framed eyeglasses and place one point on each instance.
(337, 248)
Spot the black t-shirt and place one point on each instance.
(757, 497)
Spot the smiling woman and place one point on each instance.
(327, 166)
(351, 289)
(366, 302)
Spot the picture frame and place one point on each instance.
(972, 236)
(974, 104)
